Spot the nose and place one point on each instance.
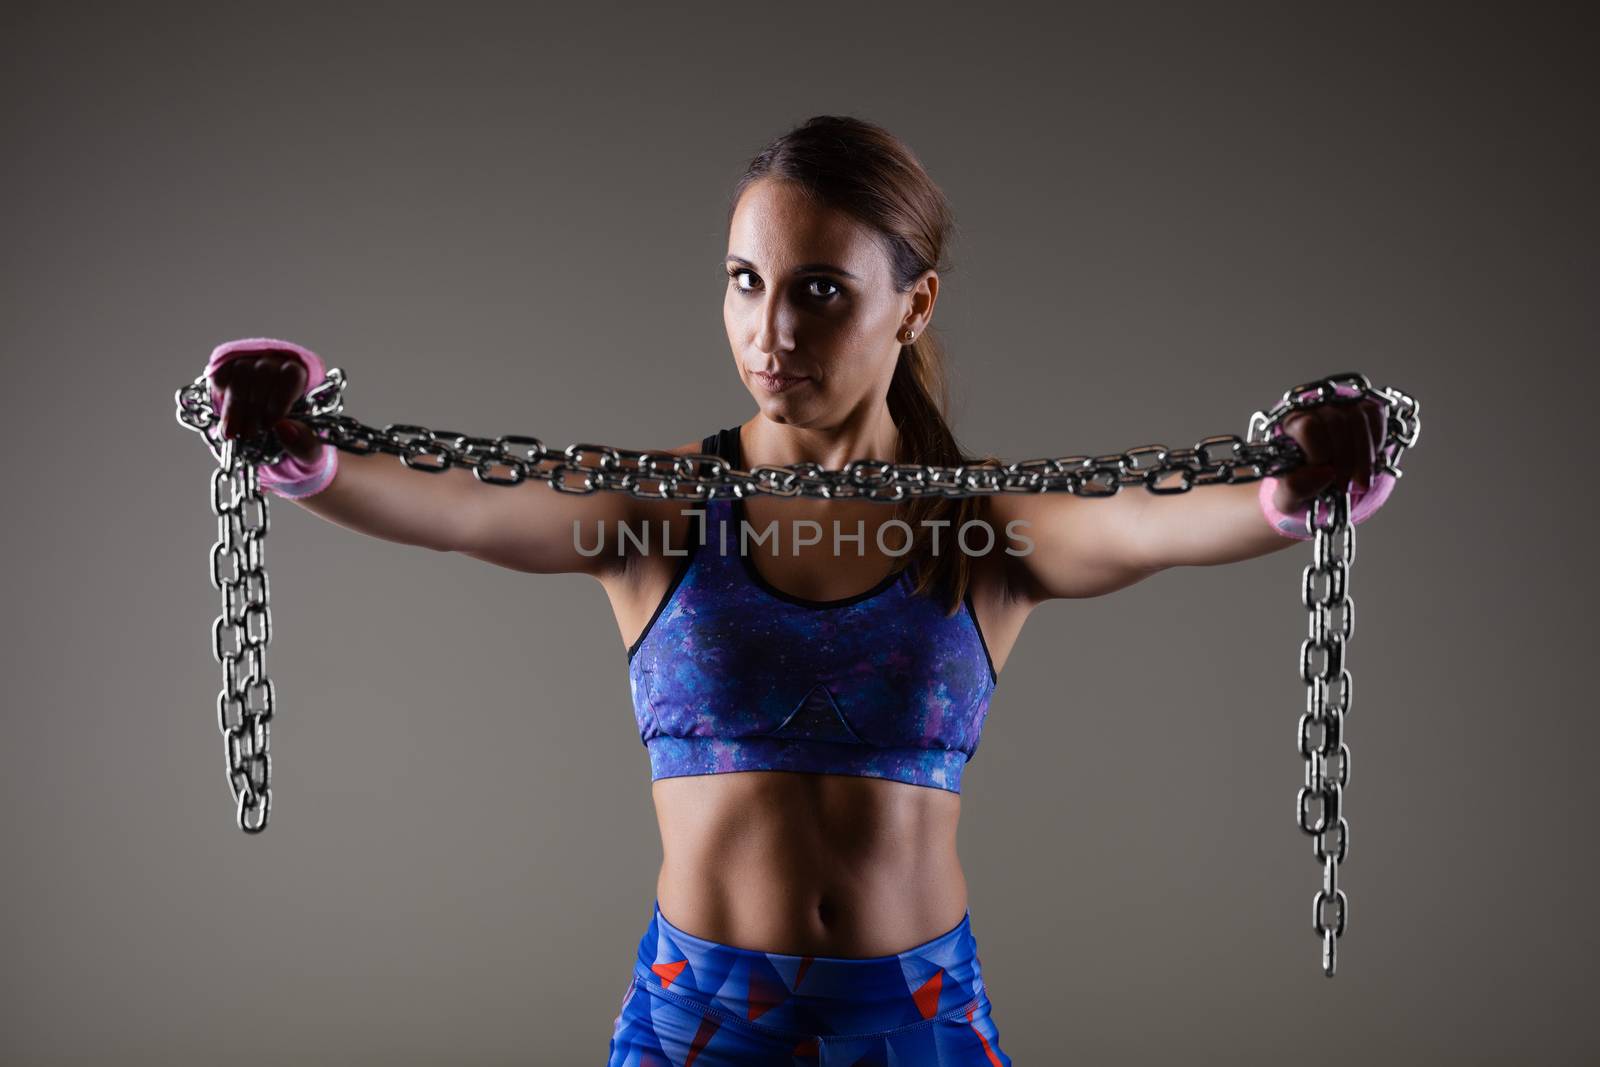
(774, 325)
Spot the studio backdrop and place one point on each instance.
(504, 219)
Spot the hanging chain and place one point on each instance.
(1325, 591)
(243, 630)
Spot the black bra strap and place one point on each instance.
(724, 444)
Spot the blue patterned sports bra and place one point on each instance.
(732, 674)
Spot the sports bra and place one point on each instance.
(733, 674)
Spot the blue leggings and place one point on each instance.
(697, 1003)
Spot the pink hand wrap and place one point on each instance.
(1363, 502)
(289, 477)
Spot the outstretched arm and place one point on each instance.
(527, 527)
(1208, 525)
(1089, 546)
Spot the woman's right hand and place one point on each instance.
(257, 392)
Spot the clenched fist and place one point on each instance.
(257, 392)
(1342, 441)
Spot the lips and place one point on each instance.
(777, 382)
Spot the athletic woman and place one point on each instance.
(807, 714)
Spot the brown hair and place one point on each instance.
(863, 170)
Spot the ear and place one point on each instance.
(924, 294)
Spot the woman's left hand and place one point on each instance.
(1341, 442)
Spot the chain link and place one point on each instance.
(243, 630)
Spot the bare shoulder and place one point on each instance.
(1016, 519)
(998, 603)
(652, 513)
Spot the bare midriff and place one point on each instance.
(809, 864)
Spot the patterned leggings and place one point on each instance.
(697, 1003)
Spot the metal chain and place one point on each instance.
(1324, 591)
(510, 460)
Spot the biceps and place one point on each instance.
(1083, 546)
(539, 530)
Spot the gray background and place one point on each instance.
(510, 219)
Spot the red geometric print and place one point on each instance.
(987, 1051)
(702, 1037)
(927, 997)
(667, 972)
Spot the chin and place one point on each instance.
(776, 408)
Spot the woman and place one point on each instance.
(807, 714)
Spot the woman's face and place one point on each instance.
(810, 299)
